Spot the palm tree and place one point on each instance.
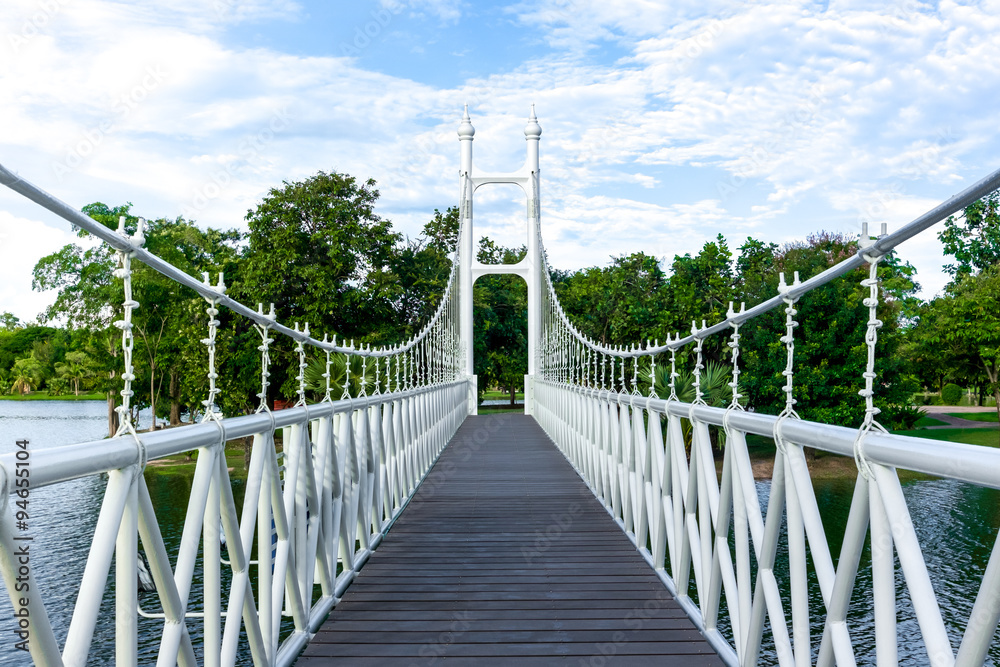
(338, 369)
(714, 384)
(715, 391)
(26, 374)
(77, 368)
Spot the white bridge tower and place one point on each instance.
(528, 268)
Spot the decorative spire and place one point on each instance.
(465, 130)
(532, 130)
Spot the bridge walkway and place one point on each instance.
(504, 557)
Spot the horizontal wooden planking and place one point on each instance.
(505, 556)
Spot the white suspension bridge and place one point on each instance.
(467, 497)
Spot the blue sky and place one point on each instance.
(664, 124)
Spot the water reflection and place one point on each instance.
(956, 525)
(62, 523)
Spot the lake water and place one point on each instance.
(62, 524)
(956, 524)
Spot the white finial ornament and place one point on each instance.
(532, 130)
(465, 130)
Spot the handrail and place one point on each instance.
(119, 242)
(885, 244)
(349, 468)
(708, 537)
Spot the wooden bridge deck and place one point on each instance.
(504, 557)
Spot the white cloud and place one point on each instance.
(22, 242)
(448, 11)
(855, 111)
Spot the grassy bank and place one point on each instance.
(501, 409)
(501, 396)
(985, 437)
(974, 416)
(180, 464)
(45, 397)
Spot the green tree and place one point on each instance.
(830, 350)
(500, 320)
(76, 369)
(321, 254)
(971, 322)
(86, 288)
(8, 321)
(419, 271)
(620, 304)
(26, 375)
(973, 238)
(165, 324)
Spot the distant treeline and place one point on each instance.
(320, 253)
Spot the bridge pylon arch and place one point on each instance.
(527, 178)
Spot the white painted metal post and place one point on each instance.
(532, 134)
(126, 580)
(465, 136)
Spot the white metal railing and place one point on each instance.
(681, 514)
(703, 530)
(350, 467)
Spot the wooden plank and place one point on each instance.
(502, 557)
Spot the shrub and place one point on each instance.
(952, 394)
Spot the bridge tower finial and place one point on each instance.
(465, 131)
(532, 130)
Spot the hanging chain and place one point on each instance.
(734, 345)
(622, 379)
(363, 390)
(871, 338)
(345, 394)
(397, 365)
(124, 271)
(673, 370)
(652, 370)
(789, 340)
(212, 411)
(635, 374)
(698, 366)
(265, 357)
(300, 348)
(327, 375)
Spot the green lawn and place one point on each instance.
(501, 410)
(976, 416)
(929, 421)
(45, 397)
(986, 437)
(500, 395)
(180, 464)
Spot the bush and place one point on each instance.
(901, 417)
(952, 394)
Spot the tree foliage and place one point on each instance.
(956, 336)
(973, 238)
(500, 320)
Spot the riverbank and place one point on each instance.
(45, 397)
(832, 466)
